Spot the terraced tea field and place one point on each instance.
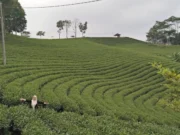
(94, 86)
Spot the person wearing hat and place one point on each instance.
(34, 103)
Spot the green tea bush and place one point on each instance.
(91, 88)
(173, 79)
(4, 120)
(176, 56)
(37, 127)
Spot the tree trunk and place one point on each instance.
(66, 32)
(75, 34)
(177, 27)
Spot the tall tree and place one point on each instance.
(165, 32)
(60, 25)
(75, 25)
(83, 28)
(67, 24)
(40, 33)
(174, 22)
(152, 35)
(14, 15)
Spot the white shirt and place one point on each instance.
(33, 104)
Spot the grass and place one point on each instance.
(105, 86)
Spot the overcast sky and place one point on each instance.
(132, 18)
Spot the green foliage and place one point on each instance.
(173, 79)
(3, 117)
(176, 56)
(60, 24)
(94, 86)
(14, 16)
(40, 33)
(165, 32)
(83, 28)
(21, 115)
(37, 127)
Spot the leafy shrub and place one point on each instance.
(4, 121)
(37, 127)
(172, 83)
(176, 56)
(21, 115)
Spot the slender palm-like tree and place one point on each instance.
(60, 25)
(67, 24)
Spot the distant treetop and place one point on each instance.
(117, 35)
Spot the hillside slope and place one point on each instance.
(100, 87)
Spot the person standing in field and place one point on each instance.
(34, 103)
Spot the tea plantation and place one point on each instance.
(94, 86)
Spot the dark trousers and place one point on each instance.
(12, 130)
(16, 133)
(2, 132)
